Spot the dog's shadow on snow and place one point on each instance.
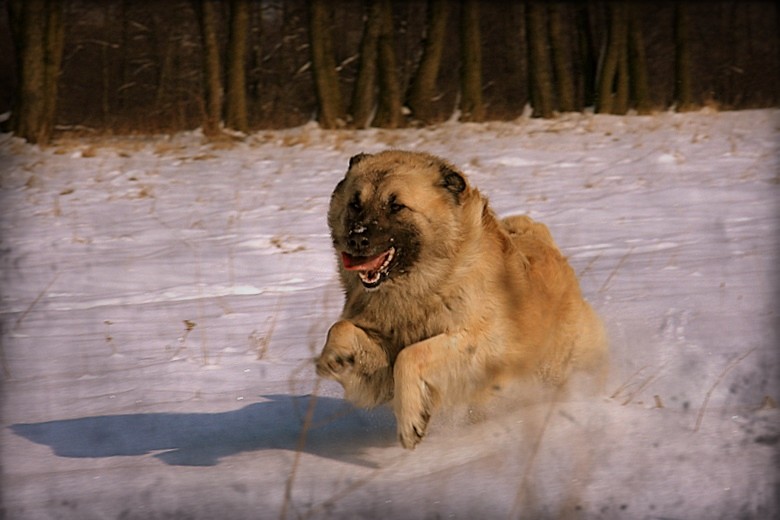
(335, 430)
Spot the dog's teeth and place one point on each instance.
(390, 256)
(372, 277)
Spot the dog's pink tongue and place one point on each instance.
(362, 263)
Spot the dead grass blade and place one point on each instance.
(307, 422)
(524, 481)
(615, 270)
(729, 367)
(3, 361)
(630, 395)
(29, 308)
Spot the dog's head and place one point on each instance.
(393, 211)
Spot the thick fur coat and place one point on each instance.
(444, 301)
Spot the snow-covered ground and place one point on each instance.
(163, 298)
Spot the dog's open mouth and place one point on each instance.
(371, 269)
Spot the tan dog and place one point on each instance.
(444, 301)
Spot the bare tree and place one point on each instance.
(55, 33)
(620, 102)
(471, 106)
(423, 87)
(364, 93)
(587, 55)
(212, 68)
(40, 58)
(682, 59)
(541, 77)
(560, 47)
(388, 112)
(130, 65)
(235, 99)
(638, 63)
(331, 108)
(611, 83)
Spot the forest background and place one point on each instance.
(141, 66)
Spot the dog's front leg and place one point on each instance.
(357, 361)
(424, 374)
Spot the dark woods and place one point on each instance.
(145, 66)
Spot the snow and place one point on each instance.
(163, 298)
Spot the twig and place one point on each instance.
(645, 384)
(535, 451)
(204, 349)
(700, 416)
(3, 361)
(263, 344)
(590, 264)
(307, 421)
(35, 301)
(615, 270)
(354, 486)
(626, 382)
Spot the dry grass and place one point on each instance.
(3, 361)
(307, 424)
(623, 259)
(729, 367)
(525, 489)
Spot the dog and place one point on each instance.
(444, 301)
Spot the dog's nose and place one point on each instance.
(357, 241)
(358, 237)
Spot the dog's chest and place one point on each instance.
(408, 322)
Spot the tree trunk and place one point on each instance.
(560, 47)
(471, 105)
(28, 116)
(620, 106)
(520, 95)
(423, 88)
(212, 66)
(16, 19)
(588, 56)
(40, 58)
(682, 59)
(166, 47)
(331, 108)
(364, 93)
(388, 112)
(541, 78)
(55, 36)
(638, 64)
(123, 101)
(235, 100)
(616, 46)
(105, 91)
(727, 56)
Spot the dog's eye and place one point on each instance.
(355, 204)
(394, 205)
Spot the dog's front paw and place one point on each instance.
(333, 363)
(358, 362)
(340, 353)
(413, 408)
(412, 431)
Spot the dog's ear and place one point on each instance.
(339, 187)
(452, 181)
(357, 158)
